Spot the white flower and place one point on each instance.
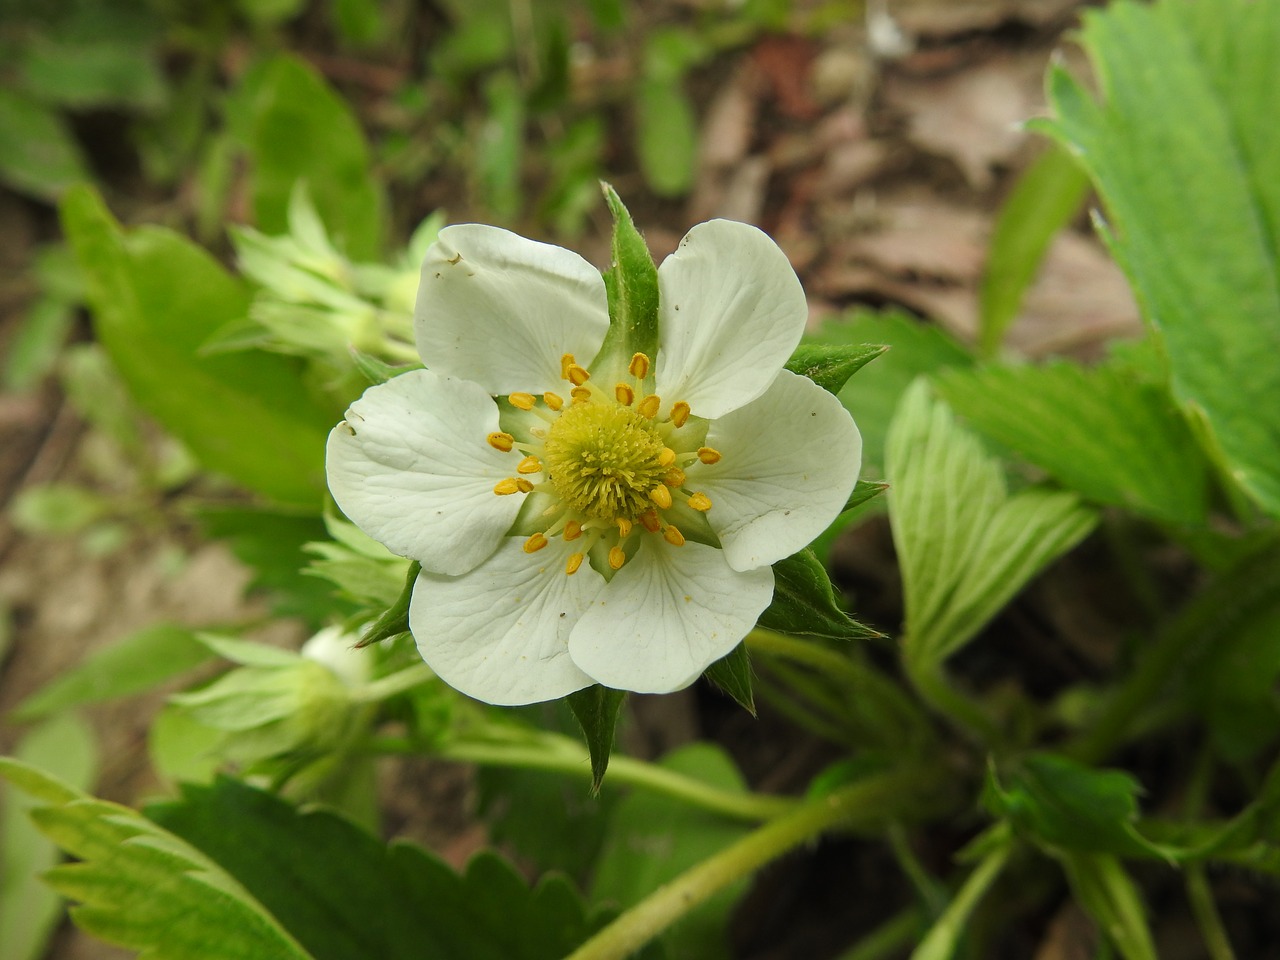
(583, 517)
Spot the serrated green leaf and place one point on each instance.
(653, 839)
(143, 888)
(156, 297)
(732, 674)
(1048, 194)
(804, 602)
(1112, 439)
(965, 547)
(1184, 158)
(130, 665)
(632, 286)
(347, 896)
(830, 365)
(596, 708)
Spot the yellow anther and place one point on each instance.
(577, 375)
(523, 485)
(504, 487)
(667, 457)
(673, 536)
(700, 502)
(675, 478)
(573, 563)
(680, 413)
(624, 394)
(553, 400)
(501, 441)
(616, 558)
(649, 520)
(648, 407)
(708, 455)
(566, 361)
(661, 496)
(624, 526)
(522, 400)
(580, 394)
(535, 543)
(639, 366)
(529, 465)
(572, 530)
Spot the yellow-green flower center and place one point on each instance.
(603, 459)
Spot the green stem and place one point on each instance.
(889, 938)
(386, 687)
(931, 683)
(862, 803)
(1206, 913)
(940, 942)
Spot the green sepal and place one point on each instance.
(732, 674)
(804, 602)
(830, 366)
(596, 708)
(863, 491)
(631, 283)
(378, 371)
(395, 620)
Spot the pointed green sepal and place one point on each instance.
(596, 708)
(863, 491)
(804, 602)
(378, 371)
(830, 366)
(395, 620)
(632, 286)
(732, 674)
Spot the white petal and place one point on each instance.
(789, 462)
(410, 467)
(501, 310)
(666, 616)
(731, 311)
(500, 633)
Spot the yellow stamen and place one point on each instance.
(649, 520)
(667, 457)
(624, 526)
(680, 413)
(522, 400)
(535, 543)
(673, 536)
(572, 530)
(616, 558)
(648, 407)
(523, 485)
(639, 366)
(708, 455)
(624, 394)
(577, 375)
(553, 400)
(661, 496)
(700, 502)
(501, 441)
(504, 487)
(566, 361)
(529, 465)
(675, 478)
(573, 563)
(581, 394)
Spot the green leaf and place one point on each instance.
(667, 136)
(632, 286)
(1047, 196)
(395, 619)
(299, 128)
(133, 664)
(732, 674)
(29, 909)
(98, 72)
(596, 708)
(36, 345)
(653, 838)
(965, 547)
(347, 896)
(134, 878)
(156, 298)
(1111, 898)
(1184, 159)
(1069, 806)
(1102, 433)
(830, 365)
(501, 147)
(804, 602)
(38, 155)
